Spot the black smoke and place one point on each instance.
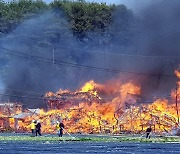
(147, 51)
(40, 54)
(151, 53)
(158, 36)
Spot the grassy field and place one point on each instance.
(47, 138)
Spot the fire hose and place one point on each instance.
(66, 132)
(144, 134)
(69, 134)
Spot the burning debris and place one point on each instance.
(7, 110)
(65, 98)
(60, 100)
(110, 108)
(10, 108)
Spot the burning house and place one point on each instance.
(7, 110)
(65, 99)
(22, 120)
(95, 108)
(113, 108)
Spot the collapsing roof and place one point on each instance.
(9, 108)
(27, 113)
(60, 100)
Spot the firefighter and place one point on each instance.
(38, 128)
(33, 127)
(148, 132)
(60, 127)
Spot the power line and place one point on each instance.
(63, 63)
(113, 53)
(5, 94)
(25, 56)
(44, 98)
(100, 52)
(144, 99)
(17, 90)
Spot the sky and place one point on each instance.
(130, 3)
(135, 5)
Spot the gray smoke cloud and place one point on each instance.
(30, 49)
(154, 47)
(135, 5)
(158, 35)
(2, 88)
(153, 33)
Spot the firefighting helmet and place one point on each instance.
(33, 120)
(57, 122)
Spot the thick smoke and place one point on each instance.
(159, 30)
(1, 88)
(154, 37)
(153, 48)
(154, 34)
(30, 50)
(158, 35)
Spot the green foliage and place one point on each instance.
(83, 17)
(114, 21)
(121, 29)
(14, 12)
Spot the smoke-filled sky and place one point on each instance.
(155, 48)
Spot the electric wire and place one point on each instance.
(28, 97)
(91, 51)
(59, 62)
(65, 63)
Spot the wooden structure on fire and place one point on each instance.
(7, 109)
(20, 118)
(67, 99)
(157, 119)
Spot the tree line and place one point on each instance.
(40, 42)
(83, 17)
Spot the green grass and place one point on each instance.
(153, 140)
(92, 139)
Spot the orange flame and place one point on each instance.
(105, 108)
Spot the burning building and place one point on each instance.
(22, 120)
(114, 107)
(62, 99)
(93, 108)
(7, 110)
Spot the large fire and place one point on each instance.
(113, 107)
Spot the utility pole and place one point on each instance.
(53, 57)
(177, 102)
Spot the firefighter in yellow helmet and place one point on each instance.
(58, 128)
(33, 127)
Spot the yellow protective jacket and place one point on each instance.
(32, 125)
(57, 127)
